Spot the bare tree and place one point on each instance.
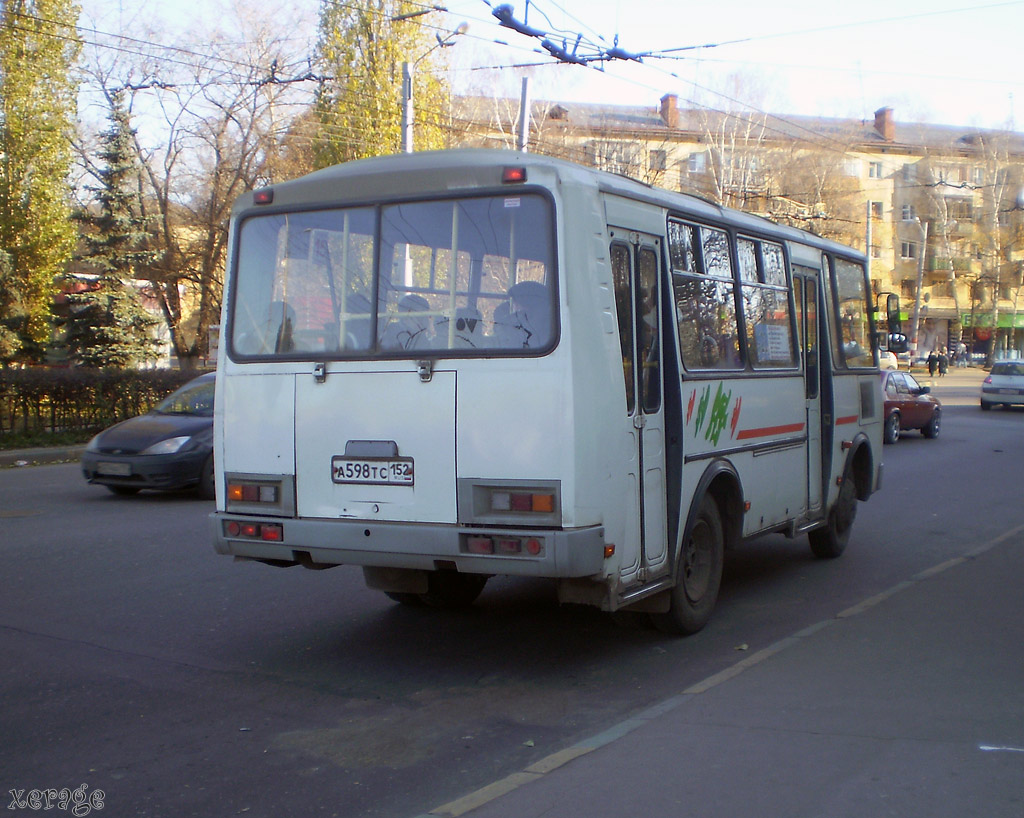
(210, 126)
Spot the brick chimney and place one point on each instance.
(669, 110)
(884, 124)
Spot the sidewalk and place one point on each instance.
(908, 704)
(13, 458)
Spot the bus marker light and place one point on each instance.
(609, 551)
(234, 492)
(479, 545)
(513, 175)
(847, 444)
(533, 546)
(264, 196)
(522, 502)
(249, 529)
(232, 529)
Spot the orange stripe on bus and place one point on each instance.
(767, 431)
(848, 419)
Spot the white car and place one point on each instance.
(888, 360)
(1004, 385)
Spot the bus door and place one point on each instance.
(805, 294)
(635, 268)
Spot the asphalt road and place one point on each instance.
(137, 661)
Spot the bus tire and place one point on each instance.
(450, 590)
(700, 573)
(829, 541)
(412, 600)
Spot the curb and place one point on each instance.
(17, 458)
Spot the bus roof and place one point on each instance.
(422, 173)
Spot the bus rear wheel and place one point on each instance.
(700, 574)
(829, 541)
(450, 590)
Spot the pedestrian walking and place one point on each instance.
(933, 362)
(943, 362)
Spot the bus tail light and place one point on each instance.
(510, 503)
(244, 530)
(503, 545)
(523, 501)
(271, 494)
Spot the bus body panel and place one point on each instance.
(349, 422)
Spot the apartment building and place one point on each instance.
(942, 207)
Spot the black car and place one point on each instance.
(169, 448)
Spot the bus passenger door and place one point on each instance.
(805, 294)
(635, 269)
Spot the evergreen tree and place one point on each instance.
(359, 108)
(38, 49)
(106, 325)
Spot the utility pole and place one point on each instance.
(523, 137)
(917, 289)
(407, 112)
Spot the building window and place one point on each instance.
(908, 249)
(875, 170)
(978, 176)
(658, 160)
(907, 288)
(876, 210)
(909, 214)
(909, 173)
(697, 163)
(876, 251)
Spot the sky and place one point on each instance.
(943, 61)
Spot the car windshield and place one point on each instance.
(1008, 369)
(194, 398)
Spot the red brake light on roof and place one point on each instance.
(513, 175)
(264, 196)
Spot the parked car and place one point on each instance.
(1004, 385)
(888, 360)
(908, 405)
(169, 448)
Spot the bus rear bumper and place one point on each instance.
(319, 543)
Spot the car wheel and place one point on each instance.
(123, 491)
(206, 488)
(986, 407)
(829, 541)
(892, 428)
(932, 429)
(700, 574)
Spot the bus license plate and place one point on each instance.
(369, 471)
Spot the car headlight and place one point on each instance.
(168, 446)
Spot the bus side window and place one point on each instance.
(622, 277)
(705, 304)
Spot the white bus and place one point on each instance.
(447, 366)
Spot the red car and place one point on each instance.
(908, 405)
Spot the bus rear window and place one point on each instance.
(450, 277)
